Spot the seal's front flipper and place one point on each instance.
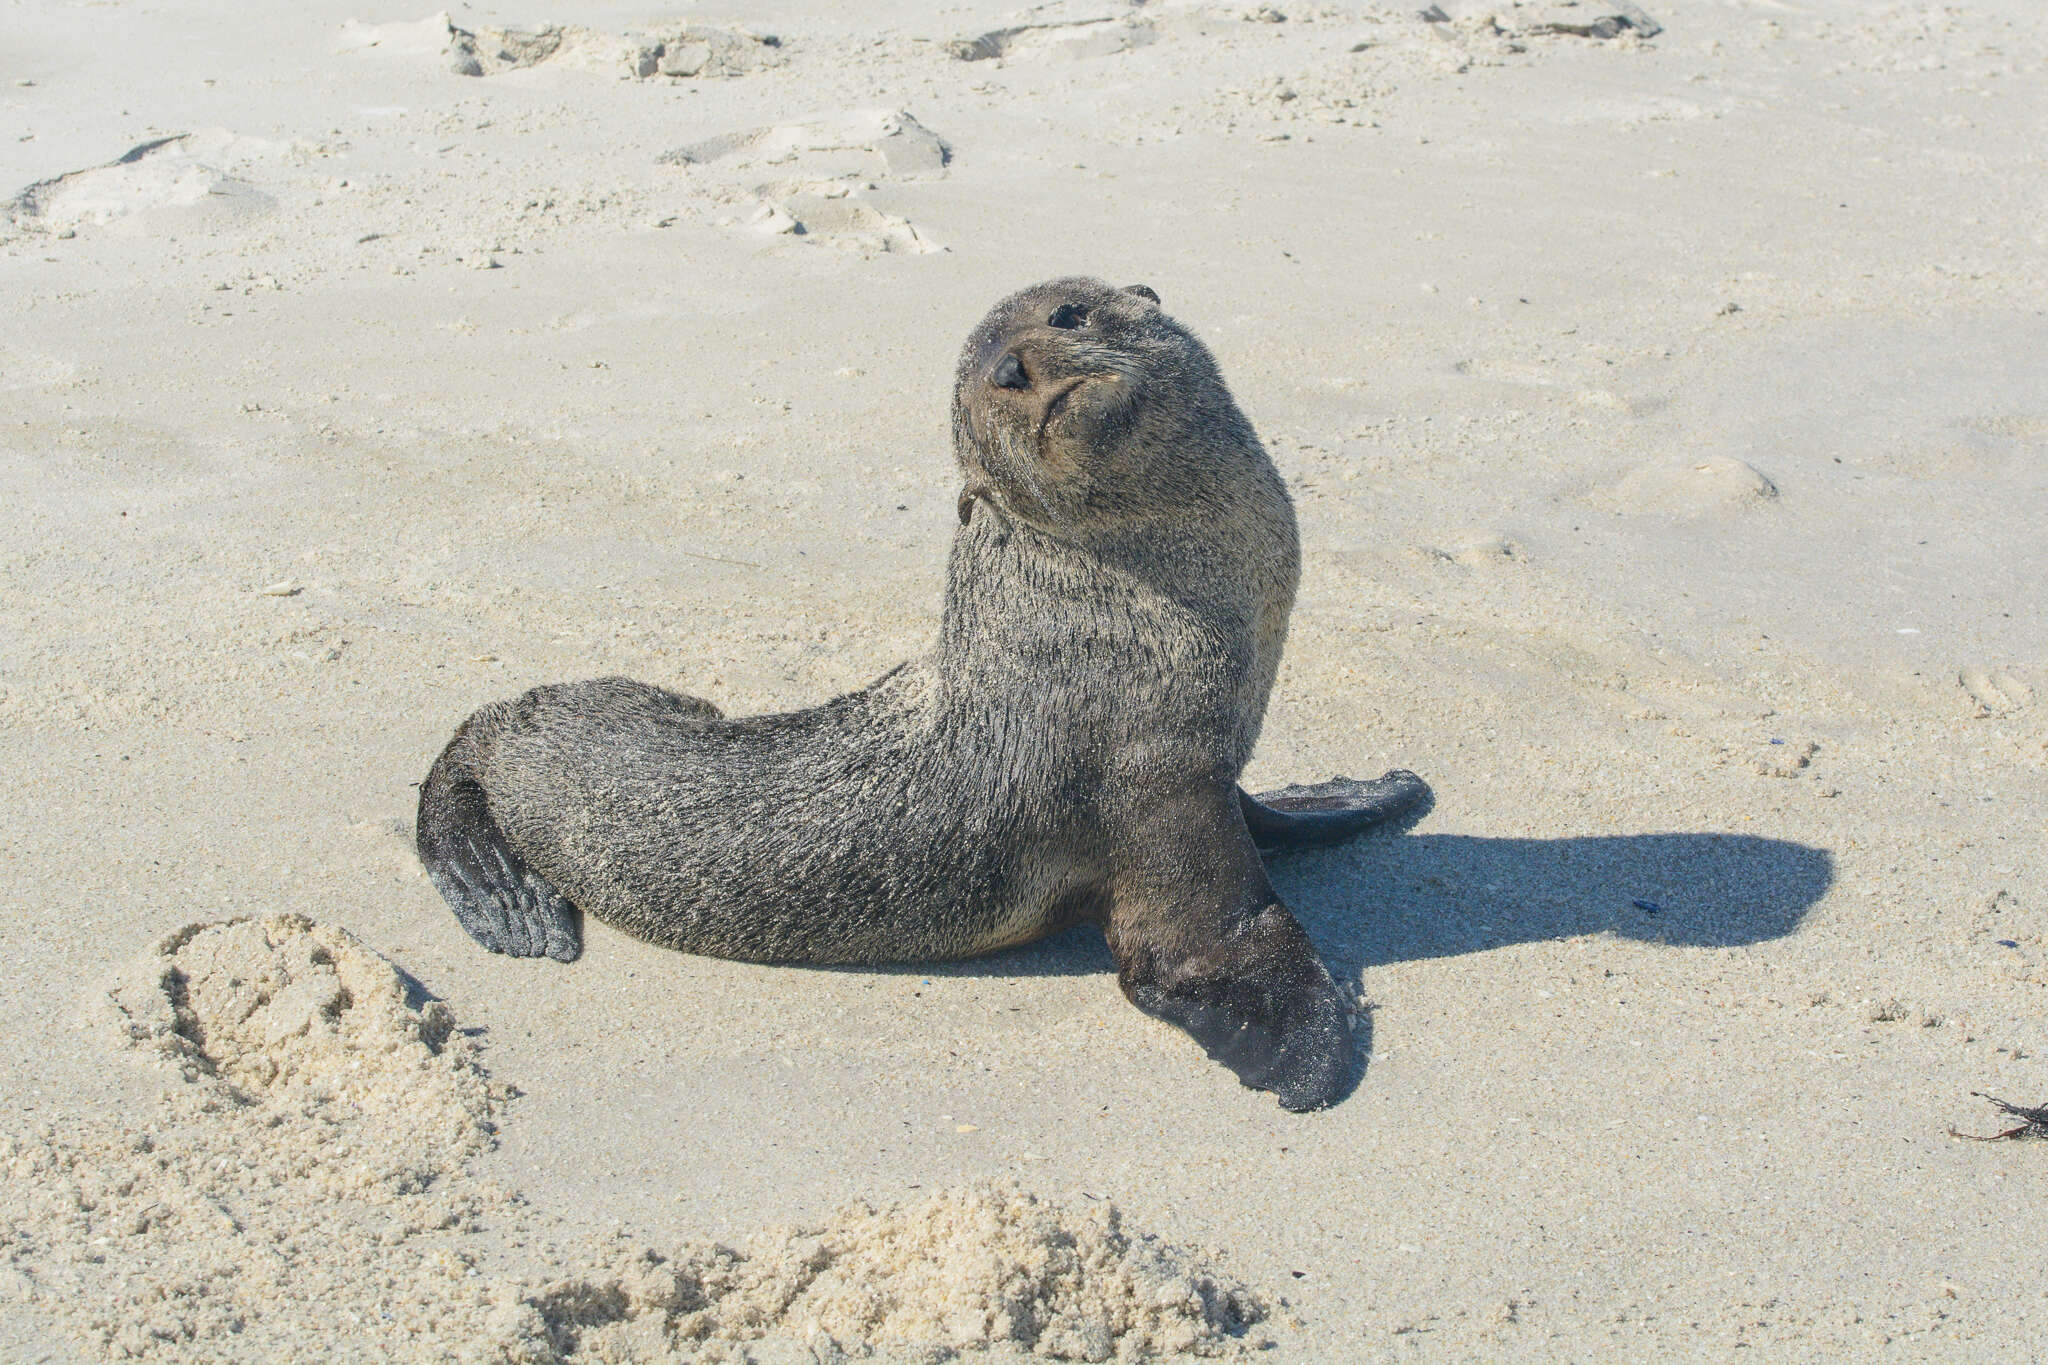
(1260, 1002)
(1201, 941)
(1314, 816)
(504, 904)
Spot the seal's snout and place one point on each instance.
(1009, 373)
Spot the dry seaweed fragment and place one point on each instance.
(2036, 1125)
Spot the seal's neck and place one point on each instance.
(1149, 602)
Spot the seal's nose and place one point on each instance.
(1009, 373)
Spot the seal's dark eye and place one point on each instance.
(1068, 315)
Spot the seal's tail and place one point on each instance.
(504, 904)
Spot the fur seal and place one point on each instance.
(1116, 600)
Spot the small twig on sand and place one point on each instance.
(719, 559)
(2036, 1125)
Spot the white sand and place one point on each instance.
(1667, 420)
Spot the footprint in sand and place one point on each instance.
(22, 368)
(807, 179)
(843, 222)
(168, 185)
(2030, 428)
(1995, 692)
(1475, 550)
(1701, 486)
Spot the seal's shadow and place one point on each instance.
(1388, 897)
(1379, 900)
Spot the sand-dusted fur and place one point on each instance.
(1116, 601)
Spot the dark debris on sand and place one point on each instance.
(2035, 1123)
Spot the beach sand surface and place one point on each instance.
(1667, 418)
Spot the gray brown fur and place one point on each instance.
(1116, 601)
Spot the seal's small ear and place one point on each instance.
(1143, 291)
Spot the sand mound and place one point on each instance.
(276, 1201)
(1703, 486)
(695, 51)
(808, 179)
(1076, 41)
(1597, 19)
(862, 143)
(488, 51)
(685, 51)
(302, 1192)
(426, 37)
(986, 1268)
(286, 1012)
(482, 51)
(1602, 19)
(167, 185)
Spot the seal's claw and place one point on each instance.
(1315, 815)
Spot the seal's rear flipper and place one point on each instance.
(1323, 813)
(504, 904)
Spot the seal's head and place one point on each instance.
(1079, 406)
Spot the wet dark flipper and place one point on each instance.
(502, 903)
(1323, 813)
(1202, 942)
(1263, 1005)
